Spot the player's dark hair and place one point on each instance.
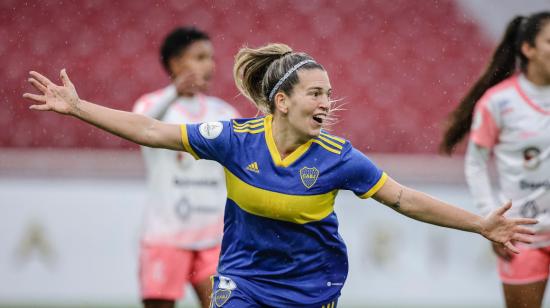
(177, 41)
(256, 72)
(505, 60)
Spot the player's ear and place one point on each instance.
(281, 102)
(176, 66)
(527, 50)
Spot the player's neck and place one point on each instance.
(286, 139)
(536, 76)
(188, 95)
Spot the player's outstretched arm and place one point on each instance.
(137, 128)
(423, 207)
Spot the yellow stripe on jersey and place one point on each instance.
(376, 187)
(260, 120)
(342, 141)
(334, 144)
(185, 142)
(298, 209)
(326, 147)
(248, 125)
(212, 281)
(248, 130)
(329, 305)
(287, 161)
(253, 126)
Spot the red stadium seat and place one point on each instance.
(400, 66)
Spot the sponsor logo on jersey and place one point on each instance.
(531, 158)
(181, 181)
(531, 209)
(309, 176)
(211, 130)
(526, 185)
(222, 295)
(253, 167)
(503, 103)
(185, 209)
(227, 283)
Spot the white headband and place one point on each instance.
(290, 71)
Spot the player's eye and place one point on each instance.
(202, 57)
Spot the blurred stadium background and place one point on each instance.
(71, 196)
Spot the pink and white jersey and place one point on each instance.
(513, 120)
(186, 197)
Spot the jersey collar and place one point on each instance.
(518, 85)
(275, 156)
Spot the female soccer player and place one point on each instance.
(508, 114)
(183, 219)
(281, 246)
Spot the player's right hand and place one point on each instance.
(188, 83)
(502, 252)
(62, 99)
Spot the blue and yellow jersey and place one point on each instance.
(281, 240)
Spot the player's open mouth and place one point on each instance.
(319, 118)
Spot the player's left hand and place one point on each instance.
(505, 231)
(62, 99)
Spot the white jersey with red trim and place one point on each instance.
(186, 197)
(513, 120)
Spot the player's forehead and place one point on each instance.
(315, 78)
(198, 47)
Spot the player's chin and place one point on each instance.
(314, 131)
(204, 86)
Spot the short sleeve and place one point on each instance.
(485, 130)
(360, 174)
(209, 140)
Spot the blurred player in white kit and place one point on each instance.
(183, 221)
(507, 113)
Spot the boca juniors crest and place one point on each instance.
(223, 293)
(221, 297)
(309, 176)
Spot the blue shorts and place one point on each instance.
(226, 294)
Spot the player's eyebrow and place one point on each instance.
(318, 88)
